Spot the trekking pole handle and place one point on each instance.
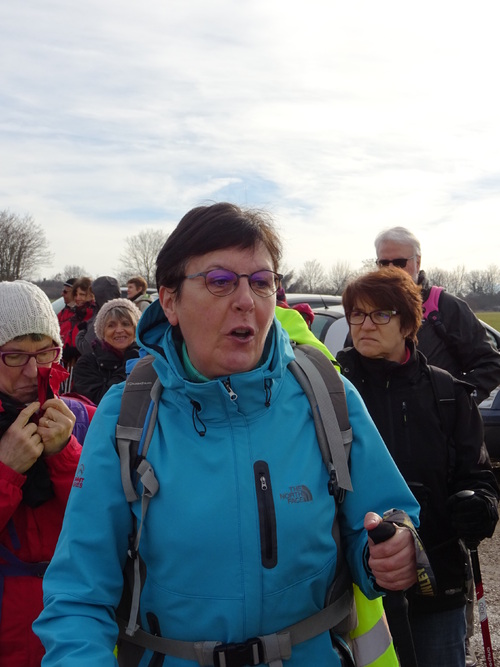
(396, 606)
(384, 531)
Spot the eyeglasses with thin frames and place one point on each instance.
(13, 359)
(222, 282)
(400, 262)
(357, 317)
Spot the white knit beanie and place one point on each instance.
(26, 309)
(121, 304)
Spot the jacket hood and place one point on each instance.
(104, 289)
(253, 388)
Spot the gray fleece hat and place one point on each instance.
(26, 309)
(128, 308)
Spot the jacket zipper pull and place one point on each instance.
(263, 483)
(229, 389)
(404, 410)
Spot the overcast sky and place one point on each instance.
(340, 118)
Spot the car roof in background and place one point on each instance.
(314, 300)
(330, 326)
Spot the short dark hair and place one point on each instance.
(139, 282)
(207, 228)
(388, 289)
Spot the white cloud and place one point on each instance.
(341, 118)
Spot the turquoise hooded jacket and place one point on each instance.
(212, 572)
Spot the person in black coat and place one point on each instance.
(440, 453)
(96, 371)
(454, 340)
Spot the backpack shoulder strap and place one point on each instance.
(325, 390)
(137, 420)
(136, 423)
(430, 312)
(431, 304)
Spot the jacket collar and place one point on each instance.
(380, 370)
(254, 389)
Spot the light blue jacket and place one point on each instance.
(210, 574)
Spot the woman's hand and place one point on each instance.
(21, 444)
(56, 426)
(392, 562)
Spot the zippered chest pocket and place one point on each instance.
(267, 515)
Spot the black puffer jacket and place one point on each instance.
(459, 343)
(401, 401)
(96, 371)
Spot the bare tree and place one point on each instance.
(437, 276)
(483, 282)
(367, 266)
(491, 279)
(457, 283)
(70, 271)
(73, 272)
(312, 277)
(23, 248)
(338, 276)
(287, 280)
(141, 252)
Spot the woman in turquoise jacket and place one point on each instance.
(238, 540)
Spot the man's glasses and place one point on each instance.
(14, 359)
(222, 282)
(376, 316)
(400, 262)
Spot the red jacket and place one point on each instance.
(65, 317)
(31, 535)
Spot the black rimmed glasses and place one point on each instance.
(400, 262)
(42, 357)
(376, 316)
(222, 282)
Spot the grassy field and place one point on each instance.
(492, 318)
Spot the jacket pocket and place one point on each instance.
(267, 515)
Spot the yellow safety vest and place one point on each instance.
(371, 640)
(295, 326)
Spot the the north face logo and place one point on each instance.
(297, 494)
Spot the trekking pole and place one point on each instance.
(396, 607)
(481, 605)
(478, 584)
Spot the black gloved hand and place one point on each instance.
(473, 516)
(82, 326)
